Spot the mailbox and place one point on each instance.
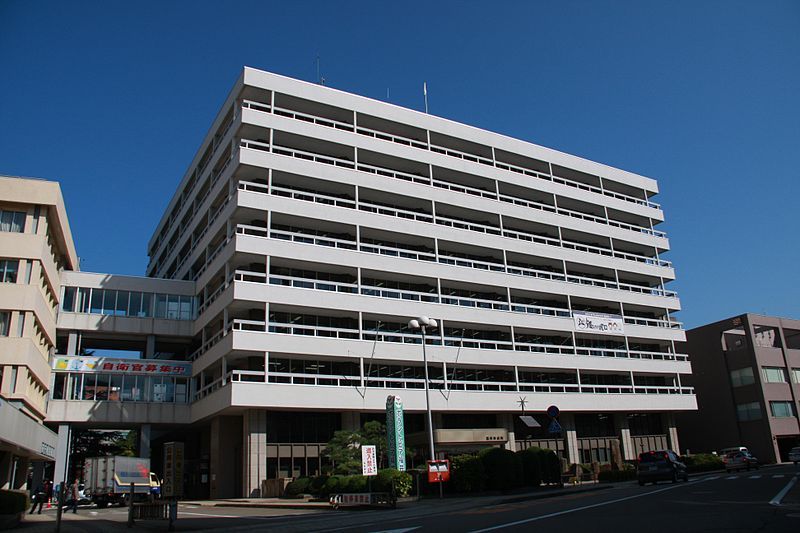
(438, 471)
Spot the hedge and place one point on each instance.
(467, 473)
(326, 485)
(383, 482)
(13, 502)
(703, 462)
(503, 468)
(298, 486)
(610, 476)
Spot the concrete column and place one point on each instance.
(254, 437)
(567, 421)
(38, 473)
(19, 476)
(72, 343)
(506, 421)
(672, 433)
(6, 465)
(150, 348)
(351, 420)
(62, 453)
(144, 440)
(225, 444)
(621, 423)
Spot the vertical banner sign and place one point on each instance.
(172, 487)
(369, 460)
(395, 433)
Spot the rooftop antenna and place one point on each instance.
(425, 94)
(320, 79)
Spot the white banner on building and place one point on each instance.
(369, 461)
(598, 323)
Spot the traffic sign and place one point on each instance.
(552, 411)
(554, 427)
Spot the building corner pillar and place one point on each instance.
(567, 421)
(254, 438)
(507, 422)
(672, 433)
(144, 441)
(626, 443)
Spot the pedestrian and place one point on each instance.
(39, 497)
(72, 502)
(48, 491)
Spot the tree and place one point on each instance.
(344, 449)
(88, 443)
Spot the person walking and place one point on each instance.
(39, 497)
(72, 502)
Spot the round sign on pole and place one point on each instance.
(552, 411)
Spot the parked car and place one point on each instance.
(83, 498)
(740, 461)
(725, 451)
(661, 465)
(794, 455)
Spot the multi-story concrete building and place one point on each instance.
(35, 247)
(747, 378)
(311, 226)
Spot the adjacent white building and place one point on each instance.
(312, 225)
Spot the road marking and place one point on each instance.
(215, 515)
(778, 497)
(732, 477)
(712, 478)
(754, 477)
(402, 530)
(777, 476)
(576, 509)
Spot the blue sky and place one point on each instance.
(112, 99)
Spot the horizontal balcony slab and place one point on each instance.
(111, 413)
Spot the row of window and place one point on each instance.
(752, 410)
(119, 388)
(745, 376)
(128, 303)
(5, 324)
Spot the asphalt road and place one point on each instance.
(737, 502)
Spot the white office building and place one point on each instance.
(308, 230)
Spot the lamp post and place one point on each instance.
(420, 324)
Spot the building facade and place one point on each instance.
(310, 227)
(35, 247)
(747, 378)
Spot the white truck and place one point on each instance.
(108, 479)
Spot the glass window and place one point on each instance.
(28, 271)
(5, 319)
(101, 388)
(128, 384)
(121, 309)
(781, 409)
(181, 390)
(169, 389)
(742, 376)
(13, 221)
(157, 391)
(172, 306)
(89, 386)
(161, 306)
(109, 297)
(96, 306)
(83, 301)
(774, 374)
(59, 386)
(748, 411)
(147, 305)
(185, 308)
(21, 324)
(8, 270)
(135, 305)
(144, 385)
(37, 211)
(68, 301)
(114, 387)
(75, 388)
(796, 375)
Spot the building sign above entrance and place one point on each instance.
(122, 366)
(599, 323)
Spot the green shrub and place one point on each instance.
(503, 468)
(13, 502)
(551, 466)
(317, 483)
(703, 462)
(611, 476)
(355, 483)
(467, 473)
(332, 485)
(531, 466)
(298, 486)
(383, 482)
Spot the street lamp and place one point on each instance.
(420, 324)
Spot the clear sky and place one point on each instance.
(113, 98)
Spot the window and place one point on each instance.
(774, 374)
(13, 385)
(796, 375)
(68, 301)
(8, 270)
(781, 409)
(21, 324)
(13, 221)
(748, 411)
(37, 211)
(742, 376)
(5, 319)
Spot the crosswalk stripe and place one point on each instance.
(777, 476)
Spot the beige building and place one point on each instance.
(35, 246)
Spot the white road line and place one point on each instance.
(732, 477)
(778, 497)
(754, 477)
(711, 478)
(777, 476)
(214, 515)
(542, 517)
